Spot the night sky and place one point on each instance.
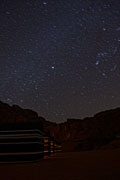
(60, 58)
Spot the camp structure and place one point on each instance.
(25, 142)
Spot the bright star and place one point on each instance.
(44, 3)
(103, 74)
(104, 29)
(53, 67)
(97, 63)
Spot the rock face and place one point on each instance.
(15, 114)
(100, 131)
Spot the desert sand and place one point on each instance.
(94, 165)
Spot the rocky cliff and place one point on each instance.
(100, 131)
(17, 115)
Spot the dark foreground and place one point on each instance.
(95, 165)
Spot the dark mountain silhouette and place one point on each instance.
(99, 132)
(15, 117)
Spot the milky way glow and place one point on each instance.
(60, 58)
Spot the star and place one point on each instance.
(29, 51)
(97, 63)
(7, 12)
(45, 3)
(103, 74)
(104, 29)
(52, 67)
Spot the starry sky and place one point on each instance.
(60, 58)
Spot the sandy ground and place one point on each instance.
(95, 165)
